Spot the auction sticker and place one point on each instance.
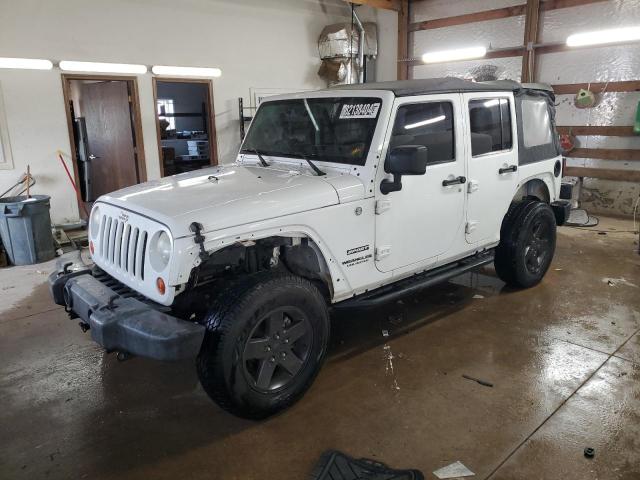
(360, 110)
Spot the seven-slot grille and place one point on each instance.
(122, 246)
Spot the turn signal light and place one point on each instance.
(91, 248)
(162, 288)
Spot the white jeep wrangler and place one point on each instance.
(349, 196)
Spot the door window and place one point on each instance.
(490, 120)
(429, 124)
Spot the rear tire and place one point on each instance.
(266, 339)
(527, 243)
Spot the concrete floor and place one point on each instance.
(564, 358)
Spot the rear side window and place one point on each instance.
(490, 120)
(429, 124)
(537, 123)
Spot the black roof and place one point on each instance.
(403, 88)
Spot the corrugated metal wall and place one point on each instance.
(599, 64)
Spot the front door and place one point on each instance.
(420, 222)
(493, 163)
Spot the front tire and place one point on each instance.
(266, 339)
(527, 243)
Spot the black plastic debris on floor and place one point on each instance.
(334, 465)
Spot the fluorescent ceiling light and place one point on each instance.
(452, 55)
(428, 121)
(67, 65)
(26, 63)
(186, 71)
(614, 35)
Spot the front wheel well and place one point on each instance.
(299, 255)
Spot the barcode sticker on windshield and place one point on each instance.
(360, 110)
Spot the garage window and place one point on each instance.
(429, 124)
(490, 120)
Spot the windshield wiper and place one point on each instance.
(263, 162)
(312, 165)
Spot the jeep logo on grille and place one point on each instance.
(124, 217)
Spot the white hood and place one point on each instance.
(227, 196)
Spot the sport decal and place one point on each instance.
(360, 110)
(363, 248)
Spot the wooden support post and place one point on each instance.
(531, 24)
(403, 40)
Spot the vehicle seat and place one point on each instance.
(481, 143)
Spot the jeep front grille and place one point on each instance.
(122, 246)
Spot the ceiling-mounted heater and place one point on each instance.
(348, 52)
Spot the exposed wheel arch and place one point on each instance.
(299, 255)
(533, 188)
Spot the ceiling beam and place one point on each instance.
(495, 14)
(600, 87)
(603, 130)
(394, 5)
(603, 173)
(627, 154)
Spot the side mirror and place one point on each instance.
(403, 160)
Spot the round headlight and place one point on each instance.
(160, 251)
(94, 223)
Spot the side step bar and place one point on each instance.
(417, 282)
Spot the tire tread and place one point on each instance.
(235, 298)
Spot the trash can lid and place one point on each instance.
(25, 199)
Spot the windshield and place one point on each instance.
(327, 129)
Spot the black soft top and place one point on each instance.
(404, 88)
(521, 92)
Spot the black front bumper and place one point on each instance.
(121, 322)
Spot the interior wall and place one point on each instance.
(256, 43)
(601, 64)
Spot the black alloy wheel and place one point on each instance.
(277, 348)
(538, 246)
(527, 243)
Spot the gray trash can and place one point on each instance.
(25, 227)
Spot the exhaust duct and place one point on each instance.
(348, 52)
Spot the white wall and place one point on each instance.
(256, 43)
(586, 65)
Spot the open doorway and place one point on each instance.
(184, 120)
(103, 116)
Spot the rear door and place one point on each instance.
(492, 164)
(421, 221)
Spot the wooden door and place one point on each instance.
(110, 137)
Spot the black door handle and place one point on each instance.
(512, 168)
(454, 181)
